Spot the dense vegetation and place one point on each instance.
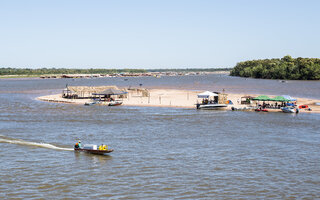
(284, 68)
(42, 71)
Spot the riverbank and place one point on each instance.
(125, 74)
(176, 98)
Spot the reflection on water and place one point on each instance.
(160, 153)
(95, 159)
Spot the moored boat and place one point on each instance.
(261, 110)
(242, 108)
(211, 106)
(115, 103)
(211, 101)
(290, 110)
(89, 103)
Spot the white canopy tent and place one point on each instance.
(207, 94)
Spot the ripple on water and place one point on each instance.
(160, 153)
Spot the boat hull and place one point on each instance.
(89, 103)
(115, 104)
(92, 151)
(289, 110)
(211, 106)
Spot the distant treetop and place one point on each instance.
(284, 68)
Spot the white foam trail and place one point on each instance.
(43, 145)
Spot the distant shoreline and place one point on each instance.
(154, 74)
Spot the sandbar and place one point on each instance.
(178, 99)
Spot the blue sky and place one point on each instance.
(155, 34)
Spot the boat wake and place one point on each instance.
(35, 144)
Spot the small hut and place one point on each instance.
(246, 99)
(84, 92)
(139, 92)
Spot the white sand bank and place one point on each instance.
(173, 98)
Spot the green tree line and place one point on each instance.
(284, 68)
(42, 71)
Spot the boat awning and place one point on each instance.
(279, 98)
(262, 98)
(207, 94)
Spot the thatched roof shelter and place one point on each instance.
(90, 89)
(111, 91)
(86, 91)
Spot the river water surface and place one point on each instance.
(159, 153)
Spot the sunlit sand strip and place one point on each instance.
(177, 98)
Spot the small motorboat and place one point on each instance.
(303, 106)
(89, 103)
(289, 110)
(261, 110)
(211, 106)
(242, 109)
(211, 101)
(115, 103)
(94, 149)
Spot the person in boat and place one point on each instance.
(78, 145)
